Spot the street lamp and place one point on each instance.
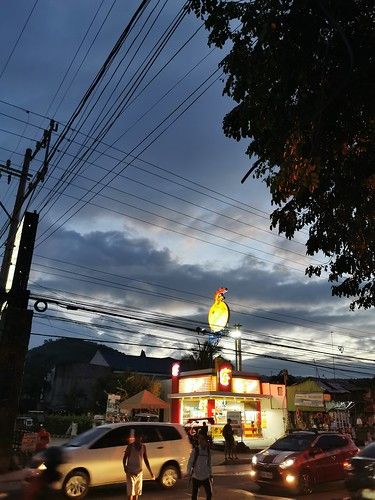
(236, 334)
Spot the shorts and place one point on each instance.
(134, 484)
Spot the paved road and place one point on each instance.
(228, 485)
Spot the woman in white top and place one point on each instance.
(200, 469)
(134, 456)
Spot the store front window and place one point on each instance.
(193, 408)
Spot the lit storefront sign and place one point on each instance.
(245, 386)
(196, 384)
(313, 399)
(218, 315)
(175, 369)
(224, 377)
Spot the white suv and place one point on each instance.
(94, 458)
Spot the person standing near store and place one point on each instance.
(200, 468)
(43, 438)
(229, 439)
(134, 456)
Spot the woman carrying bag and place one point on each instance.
(134, 456)
(200, 468)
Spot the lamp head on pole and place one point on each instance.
(236, 332)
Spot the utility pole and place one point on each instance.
(285, 374)
(236, 334)
(15, 218)
(333, 358)
(16, 319)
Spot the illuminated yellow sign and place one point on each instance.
(196, 384)
(245, 386)
(225, 375)
(218, 315)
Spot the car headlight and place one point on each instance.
(347, 465)
(254, 460)
(287, 463)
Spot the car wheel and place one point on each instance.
(305, 484)
(76, 485)
(169, 476)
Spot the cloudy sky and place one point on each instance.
(142, 212)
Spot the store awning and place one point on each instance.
(144, 400)
(218, 394)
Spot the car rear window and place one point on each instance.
(294, 442)
(369, 451)
(168, 433)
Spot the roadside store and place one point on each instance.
(257, 408)
(321, 404)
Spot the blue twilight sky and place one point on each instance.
(154, 238)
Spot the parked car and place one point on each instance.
(146, 417)
(360, 471)
(302, 459)
(94, 458)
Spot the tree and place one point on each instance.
(202, 356)
(125, 385)
(302, 73)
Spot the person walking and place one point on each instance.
(227, 433)
(200, 468)
(204, 429)
(134, 456)
(43, 438)
(41, 486)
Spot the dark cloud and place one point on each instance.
(260, 301)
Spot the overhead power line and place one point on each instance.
(266, 356)
(18, 39)
(166, 324)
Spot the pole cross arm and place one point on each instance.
(5, 210)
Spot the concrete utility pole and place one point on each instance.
(16, 319)
(15, 218)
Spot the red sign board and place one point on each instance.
(224, 377)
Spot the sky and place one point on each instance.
(142, 212)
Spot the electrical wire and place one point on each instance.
(237, 203)
(201, 296)
(72, 80)
(18, 39)
(62, 81)
(266, 356)
(169, 324)
(167, 33)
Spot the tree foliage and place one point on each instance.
(202, 356)
(302, 75)
(125, 385)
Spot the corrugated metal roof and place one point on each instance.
(332, 386)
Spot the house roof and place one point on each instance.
(121, 362)
(338, 386)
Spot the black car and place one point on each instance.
(360, 470)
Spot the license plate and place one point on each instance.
(368, 494)
(266, 475)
